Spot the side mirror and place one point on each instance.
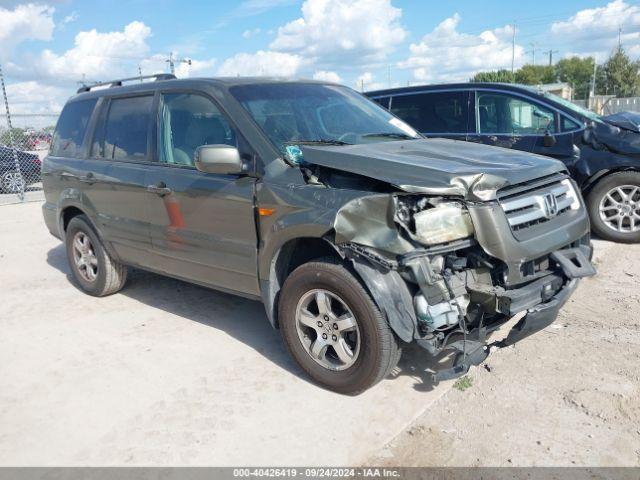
(548, 140)
(222, 159)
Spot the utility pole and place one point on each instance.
(551, 52)
(533, 52)
(513, 47)
(172, 62)
(140, 73)
(619, 38)
(592, 96)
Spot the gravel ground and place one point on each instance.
(567, 396)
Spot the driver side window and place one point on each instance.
(509, 115)
(188, 121)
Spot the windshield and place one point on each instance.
(572, 106)
(315, 113)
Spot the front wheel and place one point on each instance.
(614, 207)
(333, 328)
(12, 182)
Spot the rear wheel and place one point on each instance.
(614, 207)
(94, 270)
(333, 328)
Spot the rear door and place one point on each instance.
(202, 225)
(117, 166)
(435, 114)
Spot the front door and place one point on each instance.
(511, 121)
(202, 225)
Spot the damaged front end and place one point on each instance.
(448, 271)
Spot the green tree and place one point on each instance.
(17, 135)
(504, 76)
(621, 75)
(577, 72)
(535, 74)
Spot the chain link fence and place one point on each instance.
(24, 142)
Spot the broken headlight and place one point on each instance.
(444, 223)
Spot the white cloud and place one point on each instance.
(327, 76)
(331, 31)
(594, 31)
(72, 17)
(261, 63)
(251, 33)
(24, 22)
(33, 98)
(366, 82)
(97, 55)
(445, 54)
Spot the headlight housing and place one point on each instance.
(444, 223)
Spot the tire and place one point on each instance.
(376, 350)
(597, 199)
(100, 274)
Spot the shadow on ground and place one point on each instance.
(243, 319)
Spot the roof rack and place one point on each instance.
(118, 83)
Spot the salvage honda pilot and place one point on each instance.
(357, 234)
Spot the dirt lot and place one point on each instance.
(167, 373)
(569, 395)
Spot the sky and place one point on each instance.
(47, 48)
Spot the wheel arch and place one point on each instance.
(594, 179)
(289, 256)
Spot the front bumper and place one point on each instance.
(541, 309)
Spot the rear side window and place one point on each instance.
(125, 131)
(383, 101)
(71, 128)
(438, 112)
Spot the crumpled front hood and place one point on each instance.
(626, 120)
(436, 166)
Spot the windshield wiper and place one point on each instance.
(320, 141)
(403, 136)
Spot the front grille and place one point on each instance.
(537, 202)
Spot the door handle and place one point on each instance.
(159, 189)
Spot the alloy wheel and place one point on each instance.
(13, 182)
(327, 329)
(84, 257)
(619, 209)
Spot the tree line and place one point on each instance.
(618, 75)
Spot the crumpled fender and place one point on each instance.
(392, 296)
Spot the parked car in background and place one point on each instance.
(602, 153)
(37, 141)
(12, 179)
(357, 234)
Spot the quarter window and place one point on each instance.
(509, 115)
(568, 125)
(188, 121)
(71, 128)
(438, 112)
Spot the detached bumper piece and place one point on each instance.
(542, 298)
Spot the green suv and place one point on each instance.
(357, 234)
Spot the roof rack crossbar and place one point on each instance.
(118, 82)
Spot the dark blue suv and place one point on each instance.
(601, 153)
